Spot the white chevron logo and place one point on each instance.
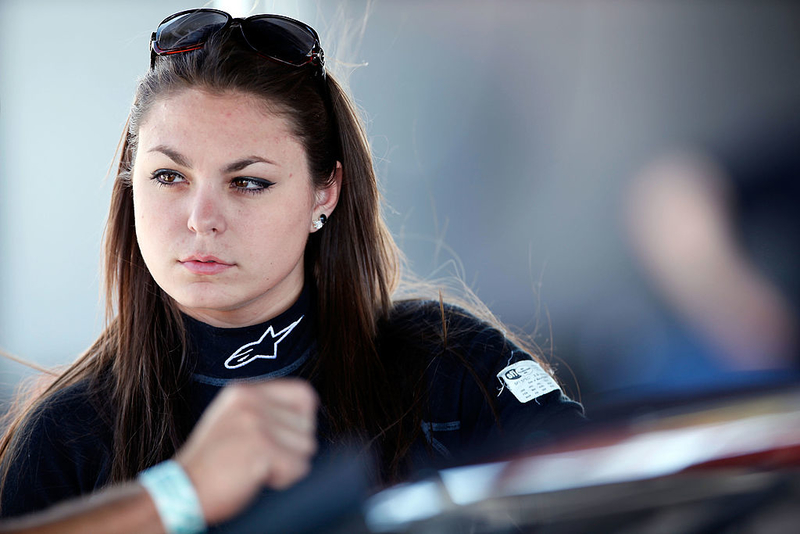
(255, 350)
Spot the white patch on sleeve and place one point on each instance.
(527, 380)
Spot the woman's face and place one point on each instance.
(224, 205)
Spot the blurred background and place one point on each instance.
(617, 179)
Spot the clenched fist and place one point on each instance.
(253, 435)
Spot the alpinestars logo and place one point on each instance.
(265, 348)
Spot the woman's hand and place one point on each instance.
(252, 435)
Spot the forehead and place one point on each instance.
(230, 122)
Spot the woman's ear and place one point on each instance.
(326, 198)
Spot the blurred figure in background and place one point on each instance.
(716, 233)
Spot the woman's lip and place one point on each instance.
(204, 258)
(205, 266)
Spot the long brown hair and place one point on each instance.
(140, 360)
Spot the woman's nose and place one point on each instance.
(206, 214)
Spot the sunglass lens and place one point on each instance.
(188, 30)
(285, 40)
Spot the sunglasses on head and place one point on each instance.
(275, 37)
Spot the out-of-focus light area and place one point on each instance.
(618, 179)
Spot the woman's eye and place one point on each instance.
(167, 177)
(250, 185)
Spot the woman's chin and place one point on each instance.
(206, 304)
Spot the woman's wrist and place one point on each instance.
(175, 498)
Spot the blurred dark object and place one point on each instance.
(722, 502)
(327, 501)
(726, 465)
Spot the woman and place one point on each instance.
(245, 242)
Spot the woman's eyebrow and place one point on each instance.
(174, 155)
(246, 162)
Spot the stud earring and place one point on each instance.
(319, 223)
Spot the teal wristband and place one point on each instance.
(175, 498)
